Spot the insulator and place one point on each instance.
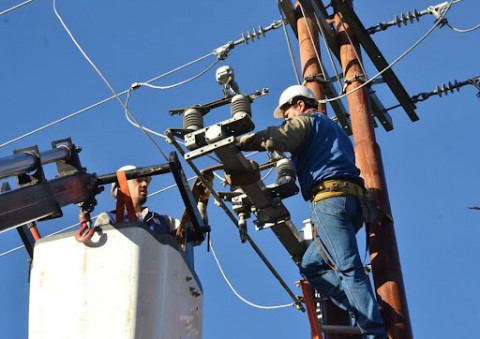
(254, 34)
(444, 88)
(447, 88)
(285, 171)
(192, 119)
(403, 19)
(398, 21)
(240, 104)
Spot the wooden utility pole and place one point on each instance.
(384, 256)
(311, 71)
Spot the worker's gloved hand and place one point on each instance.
(244, 178)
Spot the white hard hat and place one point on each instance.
(124, 168)
(290, 93)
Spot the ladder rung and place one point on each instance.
(341, 329)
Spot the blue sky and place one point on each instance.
(431, 165)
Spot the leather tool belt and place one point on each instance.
(332, 188)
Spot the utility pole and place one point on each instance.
(311, 71)
(384, 256)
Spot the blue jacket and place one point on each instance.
(327, 154)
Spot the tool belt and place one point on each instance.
(333, 188)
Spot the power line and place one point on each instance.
(15, 7)
(105, 79)
(235, 291)
(221, 53)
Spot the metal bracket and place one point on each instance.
(238, 125)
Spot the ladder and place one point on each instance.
(315, 319)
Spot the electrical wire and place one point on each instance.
(268, 173)
(105, 80)
(103, 101)
(15, 7)
(289, 46)
(181, 82)
(468, 30)
(135, 124)
(217, 52)
(58, 121)
(235, 291)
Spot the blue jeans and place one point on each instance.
(336, 220)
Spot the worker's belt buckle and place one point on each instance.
(333, 188)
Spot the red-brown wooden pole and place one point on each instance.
(331, 314)
(387, 273)
(311, 70)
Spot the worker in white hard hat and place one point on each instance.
(324, 160)
(138, 187)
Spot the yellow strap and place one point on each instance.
(334, 188)
(324, 195)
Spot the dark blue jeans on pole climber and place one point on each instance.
(342, 278)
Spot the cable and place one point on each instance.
(178, 83)
(235, 292)
(220, 52)
(268, 173)
(104, 79)
(57, 121)
(135, 124)
(102, 101)
(15, 7)
(289, 45)
(463, 30)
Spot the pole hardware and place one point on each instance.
(411, 17)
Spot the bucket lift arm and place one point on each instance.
(37, 198)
